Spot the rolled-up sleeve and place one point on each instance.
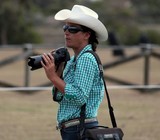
(59, 95)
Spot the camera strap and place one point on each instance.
(56, 90)
(82, 113)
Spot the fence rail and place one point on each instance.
(146, 51)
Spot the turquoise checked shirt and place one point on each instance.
(83, 85)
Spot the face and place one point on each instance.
(75, 37)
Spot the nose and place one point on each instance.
(66, 32)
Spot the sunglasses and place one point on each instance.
(72, 29)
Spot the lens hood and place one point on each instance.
(35, 62)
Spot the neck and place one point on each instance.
(79, 49)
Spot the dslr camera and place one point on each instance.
(60, 55)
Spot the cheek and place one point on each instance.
(76, 39)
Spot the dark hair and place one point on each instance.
(93, 37)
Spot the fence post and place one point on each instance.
(147, 52)
(28, 48)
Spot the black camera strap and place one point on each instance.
(56, 90)
(82, 114)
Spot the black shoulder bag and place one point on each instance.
(100, 132)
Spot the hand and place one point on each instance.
(48, 65)
(50, 70)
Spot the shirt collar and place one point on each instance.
(88, 47)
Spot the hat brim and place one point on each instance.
(85, 20)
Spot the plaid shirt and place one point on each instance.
(83, 85)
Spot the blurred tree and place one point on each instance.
(121, 15)
(52, 6)
(147, 9)
(15, 26)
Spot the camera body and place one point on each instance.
(60, 55)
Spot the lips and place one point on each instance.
(67, 39)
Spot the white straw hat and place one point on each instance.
(84, 16)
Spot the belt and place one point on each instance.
(73, 123)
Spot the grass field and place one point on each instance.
(32, 116)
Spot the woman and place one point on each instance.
(80, 83)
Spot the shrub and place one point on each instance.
(153, 36)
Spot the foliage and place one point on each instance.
(125, 20)
(16, 25)
(52, 6)
(122, 16)
(147, 9)
(153, 36)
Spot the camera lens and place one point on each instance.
(60, 55)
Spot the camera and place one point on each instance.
(60, 55)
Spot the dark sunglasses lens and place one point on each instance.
(65, 27)
(71, 29)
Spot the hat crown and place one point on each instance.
(85, 10)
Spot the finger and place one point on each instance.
(46, 58)
(51, 57)
(53, 51)
(43, 64)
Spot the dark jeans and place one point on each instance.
(72, 133)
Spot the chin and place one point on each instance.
(68, 45)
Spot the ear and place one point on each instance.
(87, 35)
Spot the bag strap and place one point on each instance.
(100, 66)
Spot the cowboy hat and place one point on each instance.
(84, 16)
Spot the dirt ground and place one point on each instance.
(32, 116)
